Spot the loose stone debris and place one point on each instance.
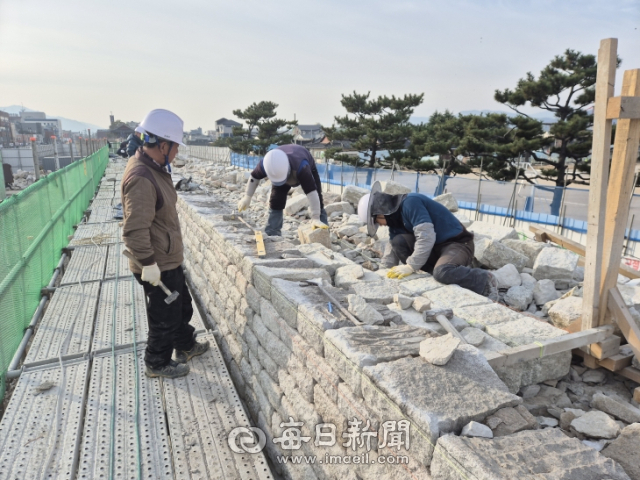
(316, 365)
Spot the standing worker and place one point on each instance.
(425, 235)
(287, 167)
(151, 232)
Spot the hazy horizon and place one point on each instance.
(204, 59)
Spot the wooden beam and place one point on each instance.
(613, 364)
(630, 373)
(605, 349)
(636, 394)
(623, 107)
(625, 321)
(623, 164)
(549, 347)
(600, 161)
(578, 248)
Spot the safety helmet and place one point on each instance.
(377, 203)
(276, 166)
(164, 124)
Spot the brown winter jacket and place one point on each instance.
(150, 230)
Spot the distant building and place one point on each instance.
(317, 149)
(37, 123)
(6, 133)
(303, 134)
(224, 127)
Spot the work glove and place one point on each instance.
(316, 224)
(244, 203)
(151, 274)
(400, 271)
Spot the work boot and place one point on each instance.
(171, 370)
(491, 290)
(197, 349)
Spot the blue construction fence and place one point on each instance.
(547, 205)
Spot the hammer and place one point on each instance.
(170, 296)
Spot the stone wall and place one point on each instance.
(294, 360)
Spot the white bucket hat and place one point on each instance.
(164, 124)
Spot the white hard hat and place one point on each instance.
(164, 124)
(276, 166)
(363, 208)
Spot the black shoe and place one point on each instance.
(491, 290)
(172, 370)
(197, 349)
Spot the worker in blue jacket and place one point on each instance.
(425, 235)
(287, 167)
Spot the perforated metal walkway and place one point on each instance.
(83, 407)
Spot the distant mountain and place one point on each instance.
(67, 123)
(542, 116)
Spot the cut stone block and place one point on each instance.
(363, 311)
(324, 257)
(439, 350)
(596, 424)
(473, 336)
(489, 314)
(415, 319)
(262, 277)
(621, 410)
(413, 288)
(493, 254)
(475, 429)
(353, 194)
(348, 230)
(529, 249)
(295, 204)
(624, 450)
(394, 188)
(527, 455)
(519, 297)
(402, 301)
(523, 331)
(341, 207)
(555, 264)
(453, 296)
(564, 312)
(448, 200)
(376, 292)
(348, 275)
(508, 421)
(630, 295)
(545, 291)
(421, 304)
(496, 232)
(508, 276)
(467, 389)
(306, 234)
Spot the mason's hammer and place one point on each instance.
(170, 296)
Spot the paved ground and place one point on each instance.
(83, 407)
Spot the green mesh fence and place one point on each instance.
(34, 227)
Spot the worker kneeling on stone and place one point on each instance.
(287, 167)
(424, 235)
(151, 232)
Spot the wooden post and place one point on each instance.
(36, 159)
(625, 153)
(600, 159)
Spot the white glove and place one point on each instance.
(400, 271)
(151, 274)
(244, 203)
(316, 224)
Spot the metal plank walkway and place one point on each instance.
(83, 407)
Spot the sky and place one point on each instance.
(203, 59)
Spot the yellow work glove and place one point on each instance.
(151, 274)
(400, 271)
(244, 203)
(316, 224)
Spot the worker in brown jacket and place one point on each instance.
(151, 232)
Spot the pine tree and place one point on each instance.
(373, 125)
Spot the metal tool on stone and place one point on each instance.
(262, 252)
(170, 296)
(446, 324)
(345, 312)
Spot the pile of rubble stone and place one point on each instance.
(541, 289)
(22, 179)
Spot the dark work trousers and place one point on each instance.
(449, 262)
(278, 200)
(168, 323)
